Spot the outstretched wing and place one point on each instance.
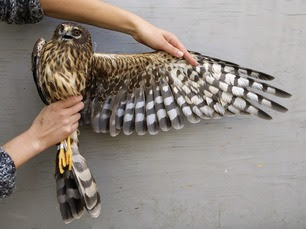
(36, 57)
(155, 91)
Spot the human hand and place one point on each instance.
(56, 121)
(53, 124)
(159, 39)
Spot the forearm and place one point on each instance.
(94, 12)
(22, 148)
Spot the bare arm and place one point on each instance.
(52, 125)
(104, 15)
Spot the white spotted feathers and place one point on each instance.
(146, 93)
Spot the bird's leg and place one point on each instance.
(69, 154)
(61, 157)
(64, 155)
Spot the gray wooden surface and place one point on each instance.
(239, 172)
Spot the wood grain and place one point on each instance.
(237, 172)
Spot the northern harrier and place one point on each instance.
(142, 93)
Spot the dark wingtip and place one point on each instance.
(264, 115)
(278, 107)
(282, 94)
(264, 76)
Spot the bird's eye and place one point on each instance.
(76, 32)
(62, 27)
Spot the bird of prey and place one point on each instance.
(142, 93)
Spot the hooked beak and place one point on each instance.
(66, 35)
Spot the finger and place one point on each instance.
(190, 58)
(75, 108)
(172, 50)
(75, 118)
(74, 127)
(69, 102)
(176, 43)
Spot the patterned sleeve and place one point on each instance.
(20, 11)
(7, 174)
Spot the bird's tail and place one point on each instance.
(77, 189)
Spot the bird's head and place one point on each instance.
(72, 33)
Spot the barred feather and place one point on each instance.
(162, 90)
(77, 189)
(151, 117)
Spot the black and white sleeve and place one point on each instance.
(21, 11)
(7, 174)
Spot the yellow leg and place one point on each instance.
(61, 158)
(69, 154)
(65, 155)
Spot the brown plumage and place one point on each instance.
(142, 92)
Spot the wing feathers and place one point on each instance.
(128, 119)
(140, 111)
(151, 117)
(160, 91)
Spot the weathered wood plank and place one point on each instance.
(237, 172)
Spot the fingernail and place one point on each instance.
(180, 53)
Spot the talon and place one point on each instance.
(65, 155)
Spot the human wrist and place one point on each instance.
(36, 142)
(23, 147)
(135, 24)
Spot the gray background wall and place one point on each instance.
(239, 172)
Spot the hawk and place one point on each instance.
(142, 93)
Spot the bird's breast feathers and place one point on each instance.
(64, 71)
